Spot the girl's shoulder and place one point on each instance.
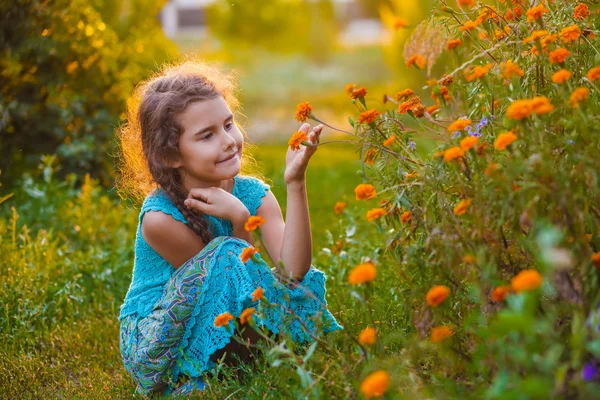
(158, 200)
(250, 190)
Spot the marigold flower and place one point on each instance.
(469, 259)
(570, 33)
(453, 153)
(248, 253)
(417, 60)
(409, 104)
(223, 319)
(541, 105)
(581, 12)
(593, 74)
(367, 336)
(561, 76)
(468, 143)
(468, 3)
(536, 35)
(339, 208)
(368, 117)
(536, 12)
(370, 156)
(365, 191)
(375, 213)
(389, 141)
(504, 140)
(478, 72)
(350, 88)
(491, 169)
(511, 69)
(405, 217)
(596, 259)
(526, 280)
(296, 139)
(362, 273)
(547, 40)
(357, 93)
(246, 315)
(404, 94)
(469, 25)
(559, 55)
(257, 294)
(580, 94)
(254, 222)
(436, 295)
(462, 207)
(440, 333)
(303, 111)
(499, 294)
(432, 109)
(459, 125)
(400, 23)
(453, 43)
(519, 109)
(375, 385)
(411, 175)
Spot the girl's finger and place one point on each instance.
(196, 205)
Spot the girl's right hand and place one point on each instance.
(218, 203)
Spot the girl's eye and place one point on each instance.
(228, 126)
(207, 136)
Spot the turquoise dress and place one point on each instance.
(167, 318)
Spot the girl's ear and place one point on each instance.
(173, 161)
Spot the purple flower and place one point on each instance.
(412, 145)
(571, 142)
(456, 134)
(590, 371)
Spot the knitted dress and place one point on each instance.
(167, 318)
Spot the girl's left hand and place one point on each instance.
(296, 161)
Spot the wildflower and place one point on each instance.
(375, 213)
(559, 55)
(462, 207)
(580, 94)
(526, 280)
(248, 253)
(536, 35)
(365, 191)
(367, 336)
(400, 23)
(436, 295)
(404, 94)
(570, 33)
(468, 3)
(254, 222)
(479, 72)
(370, 156)
(590, 371)
(375, 385)
(431, 109)
(350, 88)
(499, 294)
(511, 69)
(440, 333)
(453, 153)
(536, 12)
(519, 109)
(561, 76)
(368, 117)
(246, 315)
(339, 208)
(459, 125)
(358, 93)
(593, 74)
(405, 217)
(409, 104)
(581, 12)
(297, 139)
(468, 143)
(469, 25)
(389, 141)
(412, 145)
(453, 43)
(223, 319)
(547, 40)
(362, 273)
(411, 175)
(504, 139)
(417, 60)
(257, 294)
(447, 80)
(303, 111)
(541, 105)
(491, 169)
(596, 259)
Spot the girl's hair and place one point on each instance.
(150, 137)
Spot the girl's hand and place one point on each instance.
(296, 161)
(218, 203)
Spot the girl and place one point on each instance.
(183, 151)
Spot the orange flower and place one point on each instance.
(440, 333)
(432, 109)
(559, 55)
(362, 273)
(248, 253)
(504, 139)
(593, 74)
(296, 139)
(246, 315)
(570, 33)
(368, 117)
(453, 153)
(411, 175)
(365, 191)
(580, 94)
(536, 35)
(367, 336)
(389, 141)
(339, 208)
(350, 88)
(303, 111)
(519, 109)
(437, 295)
(468, 3)
(561, 76)
(375, 385)
(405, 217)
(375, 213)
(499, 294)
(357, 93)
(462, 207)
(596, 259)
(254, 222)
(404, 94)
(400, 23)
(467, 26)
(541, 105)
(581, 12)
(223, 319)
(459, 125)
(536, 12)
(478, 72)
(257, 294)
(409, 104)
(468, 143)
(491, 169)
(526, 280)
(453, 43)
(418, 60)
(370, 156)
(511, 69)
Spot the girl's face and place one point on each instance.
(210, 148)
